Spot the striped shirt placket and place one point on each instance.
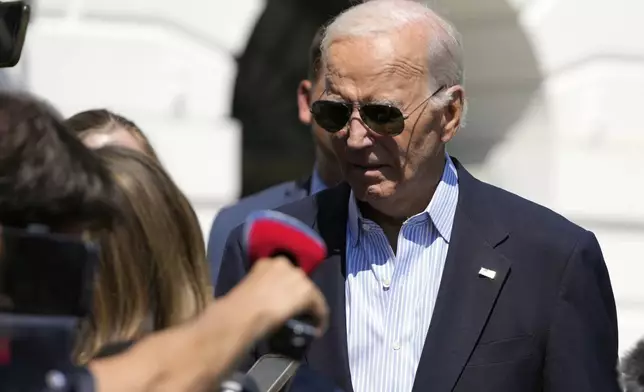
(390, 298)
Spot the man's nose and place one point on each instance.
(358, 133)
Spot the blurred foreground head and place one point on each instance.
(632, 369)
(153, 272)
(47, 176)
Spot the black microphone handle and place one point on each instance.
(306, 317)
(297, 334)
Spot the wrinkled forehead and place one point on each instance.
(376, 68)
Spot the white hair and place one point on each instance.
(445, 51)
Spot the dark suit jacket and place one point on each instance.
(546, 322)
(232, 216)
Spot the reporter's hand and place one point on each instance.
(278, 291)
(195, 355)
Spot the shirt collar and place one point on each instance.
(317, 184)
(440, 210)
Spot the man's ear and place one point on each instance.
(304, 101)
(453, 112)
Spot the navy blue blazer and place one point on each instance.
(230, 217)
(546, 323)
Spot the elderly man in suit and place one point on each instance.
(326, 172)
(436, 281)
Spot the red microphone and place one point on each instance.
(5, 351)
(270, 234)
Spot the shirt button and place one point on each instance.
(365, 227)
(386, 284)
(396, 346)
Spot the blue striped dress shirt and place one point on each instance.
(390, 297)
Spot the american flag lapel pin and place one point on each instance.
(488, 273)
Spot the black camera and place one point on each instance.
(14, 18)
(46, 283)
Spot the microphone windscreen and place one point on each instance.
(271, 233)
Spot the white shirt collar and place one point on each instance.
(440, 210)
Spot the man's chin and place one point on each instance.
(366, 192)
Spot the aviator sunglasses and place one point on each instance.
(383, 119)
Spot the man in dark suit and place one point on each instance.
(436, 281)
(326, 172)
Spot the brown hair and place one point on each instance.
(153, 272)
(101, 121)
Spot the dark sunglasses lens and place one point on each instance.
(332, 116)
(382, 119)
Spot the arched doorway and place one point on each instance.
(501, 73)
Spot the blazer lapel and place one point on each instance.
(329, 354)
(467, 293)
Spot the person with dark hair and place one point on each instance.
(48, 177)
(632, 369)
(326, 172)
(100, 127)
(276, 145)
